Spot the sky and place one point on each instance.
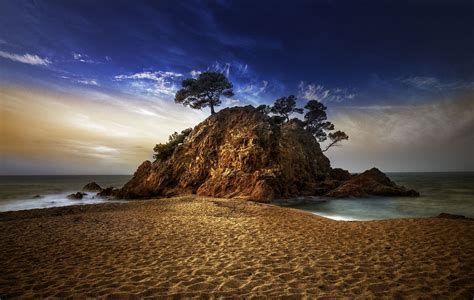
(87, 87)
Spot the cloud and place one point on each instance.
(434, 136)
(155, 83)
(83, 58)
(253, 89)
(26, 58)
(195, 73)
(428, 83)
(88, 82)
(221, 68)
(108, 58)
(322, 94)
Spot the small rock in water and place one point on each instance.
(76, 196)
(92, 187)
(36, 196)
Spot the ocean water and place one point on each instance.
(440, 192)
(17, 192)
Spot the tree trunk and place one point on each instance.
(212, 108)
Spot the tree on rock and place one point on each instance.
(285, 106)
(335, 138)
(316, 120)
(316, 123)
(204, 91)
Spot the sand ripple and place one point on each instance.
(197, 247)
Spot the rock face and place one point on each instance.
(92, 187)
(107, 192)
(370, 182)
(237, 152)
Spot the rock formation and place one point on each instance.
(238, 152)
(241, 153)
(92, 187)
(370, 182)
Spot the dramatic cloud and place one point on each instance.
(26, 58)
(322, 94)
(434, 136)
(155, 83)
(87, 132)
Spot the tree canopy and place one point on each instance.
(285, 106)
(315, 120)
(335, 138)
(204, 91)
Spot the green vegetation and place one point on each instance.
(163, 151)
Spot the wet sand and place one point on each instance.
(202, 247)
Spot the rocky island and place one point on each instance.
(242, 153)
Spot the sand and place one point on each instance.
(202, 247)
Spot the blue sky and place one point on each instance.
(379, 57)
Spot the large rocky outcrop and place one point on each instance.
(240, 153)
(237, 152)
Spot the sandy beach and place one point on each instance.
(204, 247)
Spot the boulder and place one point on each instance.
(76, 196)
(370, 182)
(236, 153)
(92, 187)
(339, 174)
(107, 192)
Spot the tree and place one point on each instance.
(285, 106)
(316, 123)
(204, 91)
(163, 151)
(264, 109)
(315, 120)
(335, 138)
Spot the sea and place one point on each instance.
(440, 192)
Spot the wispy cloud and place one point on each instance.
(157, 83)
(429, 83)
(82, 58)
(223, 68)
(320, 93)
(26, 58)
(88, 82)
(195, 73)
(253, 89)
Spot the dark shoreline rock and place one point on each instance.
(107, 192)
(372, 182)
(451, 216)
(76, 196)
